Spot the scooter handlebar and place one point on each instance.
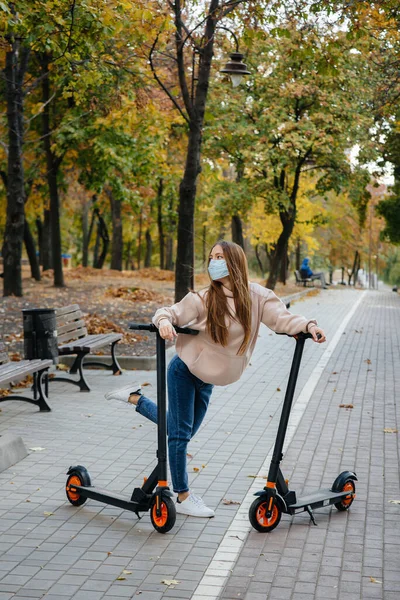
(151, 327)
(302, 335)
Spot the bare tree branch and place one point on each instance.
(161, 84)
(181, 60)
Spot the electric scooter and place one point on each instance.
(154, 495)
(276, 498)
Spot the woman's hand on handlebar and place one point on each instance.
(317, 333)
(167, 331)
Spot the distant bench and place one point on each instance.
(15, 371)
(304, 281)
(71, 328)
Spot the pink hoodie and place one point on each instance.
(216, 364)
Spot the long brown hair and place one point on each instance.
(217, 304)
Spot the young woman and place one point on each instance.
(228, 315)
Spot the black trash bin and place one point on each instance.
(40, 333)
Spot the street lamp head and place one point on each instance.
(235, 68)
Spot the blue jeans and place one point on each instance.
(188, 399)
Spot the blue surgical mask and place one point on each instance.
(217, 269)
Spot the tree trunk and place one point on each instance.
(128, 255)
(298, 255)
(160, 222)
(96, 247)
(53, 163)
(169, 251)
(288, 218)
(149, 249)
(103, 233)
(39, 229)
(46, 242)
(85, 234)
(259, 260)
(184, 270)
(139, 249)
(117, 235)
(204, 241)
(237, 231)
(284, 266)
(15, 68)
(31, 251)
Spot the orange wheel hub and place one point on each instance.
(73, 480)
(162, 519)
(348, 487)
(262, 515)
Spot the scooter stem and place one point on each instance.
(161, 410)
(287, 405)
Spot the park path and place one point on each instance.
(49, 549)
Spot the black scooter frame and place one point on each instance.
(276, 490)
(143, 498)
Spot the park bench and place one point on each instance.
(304, 281)
(73, 338)
(11, 372)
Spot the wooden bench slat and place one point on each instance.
(82, 344)
(66, 309)
(69, 318)
(37, 364)
(90, 342)
(19, 370)
(67, 336)
(70, 327)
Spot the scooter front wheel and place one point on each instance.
(347, 501)
(77, 476)
(166, 520)
(258, 515)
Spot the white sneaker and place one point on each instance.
(193, 506)
(122, 394)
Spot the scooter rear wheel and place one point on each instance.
(166, 520)
(77, 476)
(347, 501)
(258, 515)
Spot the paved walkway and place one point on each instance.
(49, 549)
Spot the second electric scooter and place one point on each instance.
(276, 498)
(154, 495)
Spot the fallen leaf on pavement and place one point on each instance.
(225, 501)
(170, 581)
(346, 406)
(48, 514)
(125, 572)
(390, 430)
(373, 580)
(394, 501)
(37, 449)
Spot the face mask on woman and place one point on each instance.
(217, 269)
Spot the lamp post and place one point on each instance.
(235, 67)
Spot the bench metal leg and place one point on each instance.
(77, 366)
(115, 367)
(41, 402)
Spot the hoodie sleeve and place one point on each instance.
(277, 317)
(182, 313)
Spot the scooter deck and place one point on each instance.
(106, 497)
(318, 499)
